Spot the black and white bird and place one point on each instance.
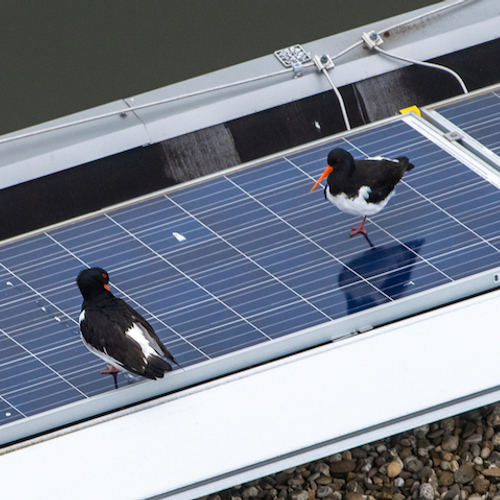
(118, 334)
(361, 187)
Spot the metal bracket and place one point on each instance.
(453, 136)
(323, 62)
(372, 39)
(293, 57)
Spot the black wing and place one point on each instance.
(104, 330)
(382, 177)
(156, 343)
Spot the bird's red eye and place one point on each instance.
(104, 275)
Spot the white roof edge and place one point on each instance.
(272, 417)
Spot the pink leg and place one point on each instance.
(359, 229)
(111, 370)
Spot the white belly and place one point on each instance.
(358, 205)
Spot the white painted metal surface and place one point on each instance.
(428, 37)
(271, 417)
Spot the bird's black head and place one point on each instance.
(340, 158)
(93, 280)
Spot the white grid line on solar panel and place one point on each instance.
(184, 274)
(283, 325)
(471, 191)
(469, 107)
(406, 139)
(233, 347)
(446, 233)
(59, 348)
(34, 356)
(136, 303)
(413, 233)
(12, 406)
(373, 277)
(54, 399)
(285, 257)
(225, 345)
(475, 118)
(37, 375)
(298, 231)
(32, 263)
(219, 294)
(217, 278)
(150, 288)
(483, 262)
(28, 332)
(484, 240)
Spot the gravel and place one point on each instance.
(457, 458)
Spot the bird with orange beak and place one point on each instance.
(361, 187)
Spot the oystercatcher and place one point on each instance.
(361, 187)
(118, 334)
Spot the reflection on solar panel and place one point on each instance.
(239, 260)
(479, 116)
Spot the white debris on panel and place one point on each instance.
(178, 236)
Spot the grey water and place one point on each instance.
(59, 57)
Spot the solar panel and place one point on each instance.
(479, 116)
(239, 260)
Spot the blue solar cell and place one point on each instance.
(479, 116)
(239, 260)
(8, 413)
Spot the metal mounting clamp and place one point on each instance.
(372, 39)
(323, 62)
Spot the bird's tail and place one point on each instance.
(405, 163)
(156, 368)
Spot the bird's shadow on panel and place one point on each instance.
(379, 274)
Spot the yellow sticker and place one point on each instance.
(411, 108)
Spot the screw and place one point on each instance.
(324, 59)
(373, 35)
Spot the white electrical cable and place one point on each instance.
(427, 64)
(233, 84)
(398, 25)
(147, 105)
(340, 99)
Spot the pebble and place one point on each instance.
(446, 478)
(455, 459)
(450, 443)
(491, 472)
(394, 469)
(322, 479)
(453, 493)
(481, 485)
(426, 492)
(413, 464)
(465, 474)
(399, 482)
(342, 467)
(322, 468)
(249, 493)
(299, 495)
(323, 492)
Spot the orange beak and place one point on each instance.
(325, 174)
(106, 286)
